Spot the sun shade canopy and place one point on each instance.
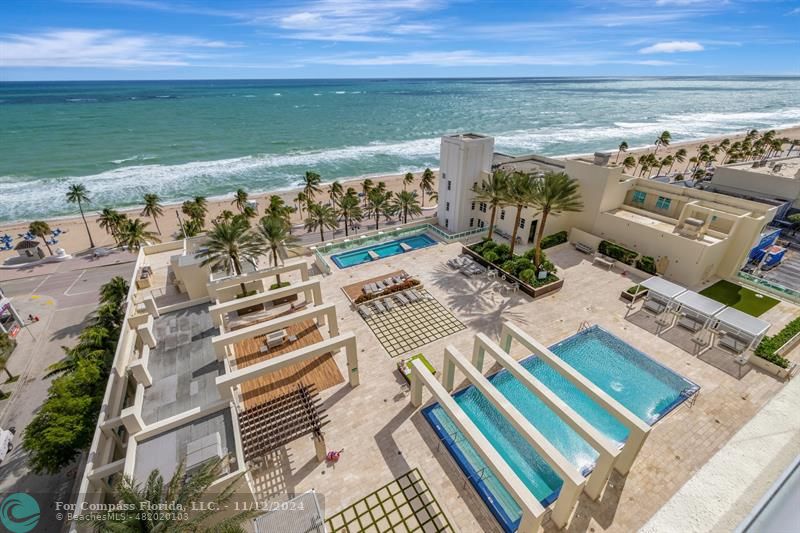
(663, 287)
(742, 322)
(699, 304)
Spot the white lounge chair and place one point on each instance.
(389, 303)
(401, 298)
(365, 311)
(379, 307)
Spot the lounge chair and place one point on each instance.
(734, 343)
(412, 295)
(379, 307)
(389, 303)
(401, 298)
(397, 279)
(654, 305)
(365, 311)
(689, 323)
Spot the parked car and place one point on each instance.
(6, 437)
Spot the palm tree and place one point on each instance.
(408, 179)
(335, 191)
(225, 216)
(301, 200)
(555, 193)
(321, 217)
(379, 204)
(179, 492)
(194, 211)
(229, 244)
(350, 209)
(277, 208)
(426, 183)
(110, 221)
(366, 187)
(275, 234)
(114, 290)
(41, 229)
(152, 208)
(202, 202)
(492, 192)
(249, 212)
(77, 194)
(405, 203)
(623, 147)
(680, 156)
(662, 140)
(311, 186)
(134, 234)
(628, 163)
(518, 194)
(240, 199)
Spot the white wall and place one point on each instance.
(464, 162)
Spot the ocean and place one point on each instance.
(186, 138)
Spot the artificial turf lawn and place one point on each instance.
(740, 298)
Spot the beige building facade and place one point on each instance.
(692, 235)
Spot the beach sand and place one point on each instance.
(75, 240)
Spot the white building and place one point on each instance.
(691, 234)
(10, 321)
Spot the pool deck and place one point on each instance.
(384, 437)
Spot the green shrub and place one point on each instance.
(503, 252)
(769, 345)
(245, 294)
(646, 264)
(615, 251)
(540, 282)
(490, 256)
(554, 239)
(528, 276)
(632, 290)
(278, 285)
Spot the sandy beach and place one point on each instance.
(74, 239)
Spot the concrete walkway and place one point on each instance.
(724, 491)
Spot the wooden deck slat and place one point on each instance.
(321, 372)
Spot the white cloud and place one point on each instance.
(459, 58)
(102, 49)
(670, 47)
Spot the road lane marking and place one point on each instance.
(41, 283)
(66, 292)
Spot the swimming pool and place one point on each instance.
(644, 386)
(385, 249)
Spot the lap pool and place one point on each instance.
(382, 250)
(644, 386)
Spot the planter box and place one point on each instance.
(789, 346)
(252, 309)
(287, 299)
(533, 292)
(769, 367)
(633, 297)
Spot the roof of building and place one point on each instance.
(788, 167)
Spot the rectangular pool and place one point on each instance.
(382, 250)
(644, 386)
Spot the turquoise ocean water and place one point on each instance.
(185, 138)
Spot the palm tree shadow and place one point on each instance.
(72, 330)
(478, 301)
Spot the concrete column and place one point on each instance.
(599, 476)
(333, 327)
(145, 332)
(140, 372)
(132, 420)
(631, 449)
(351, 349)
(150, 306)
(448, 373)
(529, 523)
(477, 356)
(565, 504)
(316, 294)
(416, 390)
(319, 446)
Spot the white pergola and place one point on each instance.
(696, 311)
(739, 331)
(661, 292)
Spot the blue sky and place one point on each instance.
(191, 39)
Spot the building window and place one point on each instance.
(444, 176)
(480, 223)
(448, 185)
(446, 223)
(447, 206)
(473, 206)
(502, 214)
(638, 197)
(663, 203)
(474, 185)
(522, 223)
(471, 222)
(482, 207)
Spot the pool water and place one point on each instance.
(645, 387)
(386, 249)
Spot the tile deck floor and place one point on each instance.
(384, 437)
(404, 505)
(406, 328)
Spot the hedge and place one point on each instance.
(646, 264)
(620, 253)
(520, 266)
(554, 240)
(769, 345)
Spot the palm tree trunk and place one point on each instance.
(155, 219)
(539, 236)
(346, 223)
(516, 228)
(10, 377)
(322, 233)
(421, 188)
(91, 242)
(377, 219)
(47, 244)
(491, 221)
(405, 215)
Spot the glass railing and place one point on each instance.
(770, 286)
